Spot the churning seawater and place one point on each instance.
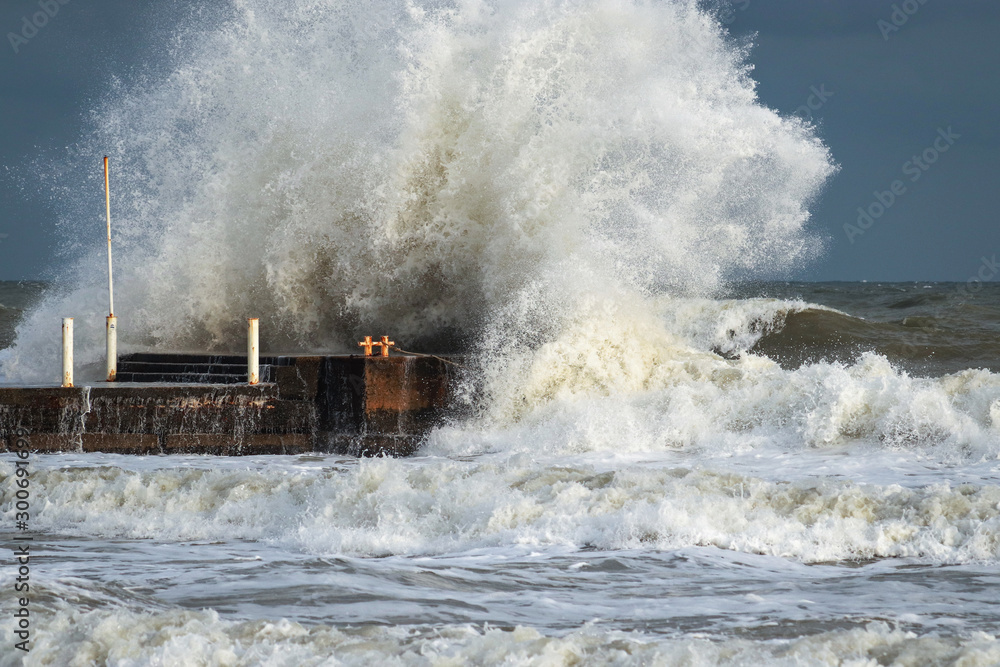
(662, 462)
(842, 512)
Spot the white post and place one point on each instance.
(253, 351)
(107, 203)
(112, 348)
(67, 339)
(112, 331)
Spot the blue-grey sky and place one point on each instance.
(905, 93)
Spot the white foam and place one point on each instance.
(128, 638)
(436, 506)
(614, 378)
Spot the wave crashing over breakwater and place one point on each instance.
(437, 170)
(560, 188)
(570, 191)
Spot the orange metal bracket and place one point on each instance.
(368, 345)
(385, 345)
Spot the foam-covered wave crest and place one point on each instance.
(388, 507)
(730, 326)
(121, 636)
(615, 378)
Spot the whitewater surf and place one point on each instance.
(667, 457)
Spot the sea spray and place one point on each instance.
(560, 188)
(420, 168)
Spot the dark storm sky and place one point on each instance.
(886, 96)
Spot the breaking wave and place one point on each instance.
(125, 637)
(391, 507)
(460, 174)
(562, 189)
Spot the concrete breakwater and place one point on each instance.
(201, 404)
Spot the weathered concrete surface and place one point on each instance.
(348, 404)
(45, 442)
(41, 410)
(177, 443)
(248, 445)
(120, 443)
(112, 408)
(381, 396)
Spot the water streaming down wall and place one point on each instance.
(346, 404)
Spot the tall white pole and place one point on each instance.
(112, 349)
(107, 202)
(112, 321)
(253, 350)
(67, 341)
